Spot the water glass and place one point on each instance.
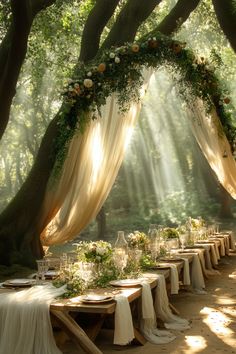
(43, 267)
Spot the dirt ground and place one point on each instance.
(213, 317)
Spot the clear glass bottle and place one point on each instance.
(121, 242)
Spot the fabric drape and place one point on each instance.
(89, 171)
(209, 134)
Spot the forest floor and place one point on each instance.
(212, 316)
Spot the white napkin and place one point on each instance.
(124, 330)
(148, 321)
(163, 310)
(232, 240)
(227, 244)
(25, 325)
(209, 270)
(174, 279)
(197, 278)
(216, 244)
(186, 271)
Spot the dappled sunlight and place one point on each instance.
(219, 324)
(195, 343)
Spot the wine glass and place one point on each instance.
(183, 240)
(43, 267)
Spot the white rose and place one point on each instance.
(112, 55)
(89, 74)
(88, 83)
(117, 60)
(100, 251)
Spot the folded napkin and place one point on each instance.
(162, 308)
(124, 330)
(186, 272)
(174, 279)
(25, 325)
(148, 322)
(197, 278)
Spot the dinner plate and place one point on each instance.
(92, 298)
(189, 251)
(51, 274)
(18, 283)
(127, 282)
(171, 259)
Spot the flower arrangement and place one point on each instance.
(119, 70)
(96, 252)
(196, 224)
(170, 232)
(138, 240)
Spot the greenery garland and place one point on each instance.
(119, 70)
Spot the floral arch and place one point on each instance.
(100, 107)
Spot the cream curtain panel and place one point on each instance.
(209, 134)
(89, 172)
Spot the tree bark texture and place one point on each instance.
(226, 14)
(130, 18)
(97, 20)
(177, 16)
(13, 50)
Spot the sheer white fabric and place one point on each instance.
(162, 308)
(89, 172)
(197, 278)
(148, 324)
(209, 134)
(25, 325)
(124, 330)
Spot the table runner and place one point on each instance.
(162, 308)
(148, 324)
(25, 325)
(124, 331)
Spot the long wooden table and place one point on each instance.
(65, 311)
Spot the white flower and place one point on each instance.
(88, 83)
(117, 60)
(112, 55)
(100, 251)
(71, 88)
(98, 258)
(89, 74)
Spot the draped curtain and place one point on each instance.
(89, 171)
(209, 134)
(94, 159)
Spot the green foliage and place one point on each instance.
(119, 70)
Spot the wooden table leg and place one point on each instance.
(75, 332)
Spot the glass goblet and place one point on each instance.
(43, 267)
(183, 240)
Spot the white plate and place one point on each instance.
(127, 282)
(18, 282)
(51, 273)
(92, 298)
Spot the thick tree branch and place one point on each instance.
(128, 21)
(96, 21)
(176, 17)
(13, 51)
(226, 15)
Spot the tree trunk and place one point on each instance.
(13, 50)
(101, 223)
(177, 16)
(226, 14)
